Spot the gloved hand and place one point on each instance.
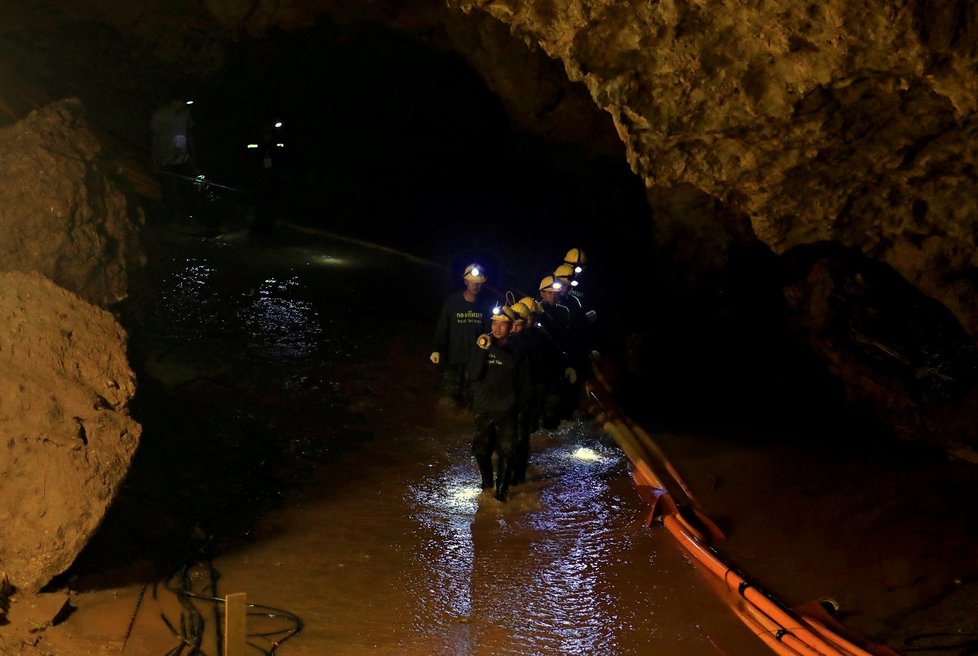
(435, 357)
(484, 341)
(591, 315)
(570, 375)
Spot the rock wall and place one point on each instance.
(60, 214)
(66, 437)
(829, 121)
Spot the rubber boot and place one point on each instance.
(504, 478)
(485, 468)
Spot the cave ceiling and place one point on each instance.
(834, 121)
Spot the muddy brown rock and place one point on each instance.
(60, 214)
(66, 437)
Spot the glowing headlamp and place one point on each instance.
(557, 286)
(578, 269)
(574, 283)
(496, 310)
(278, 124)
(475, 272)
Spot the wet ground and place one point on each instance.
(294, 450)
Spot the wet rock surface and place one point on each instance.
(67, 434)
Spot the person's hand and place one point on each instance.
(591, 315)
(570, 375)
(435, 357)
(484, 341)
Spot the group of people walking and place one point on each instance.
(518, 364)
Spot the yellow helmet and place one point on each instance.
(503, 313)
(523, 313)
(549, 284)
(533, 304)
(564, 273)
(576, 258)
(474, 273)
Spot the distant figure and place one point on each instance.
(464, 316)
(173, 154)
(266, 173)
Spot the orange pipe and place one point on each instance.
(776, 631)
(834, 637)
(738, 584)
(761, 632)
(781, 630)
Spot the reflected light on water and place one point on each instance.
(445, 506)
(586, 454)
(188, 297)
(280, 324)
(324, 259)
(467, 494)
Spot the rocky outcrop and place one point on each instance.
(66, 437)
(60, 214)
(827, 121)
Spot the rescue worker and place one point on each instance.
(499, 375)
(464, 316)
(556, 318)
(580, 328)
(576, 259)
(546, 364)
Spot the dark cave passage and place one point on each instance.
(247, 360)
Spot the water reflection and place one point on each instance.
(189, 298)
(445, 507)
(537, 565)
(280, 325)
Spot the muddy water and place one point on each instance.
(294, 442)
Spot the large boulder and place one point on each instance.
(60, 214)
(66, 437)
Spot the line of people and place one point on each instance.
(519, 365)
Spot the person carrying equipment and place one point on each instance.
(501, 386)
(463, 317)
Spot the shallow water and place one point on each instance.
(294, 441)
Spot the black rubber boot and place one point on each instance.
(504, 478)
(485, 468)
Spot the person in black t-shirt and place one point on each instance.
(464, 316)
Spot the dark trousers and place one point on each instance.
(455, 384)
(526, 423)
(495, 433)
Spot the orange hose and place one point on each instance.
(761, 632)
(738, 584)
(777, 627)
(834, 637)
